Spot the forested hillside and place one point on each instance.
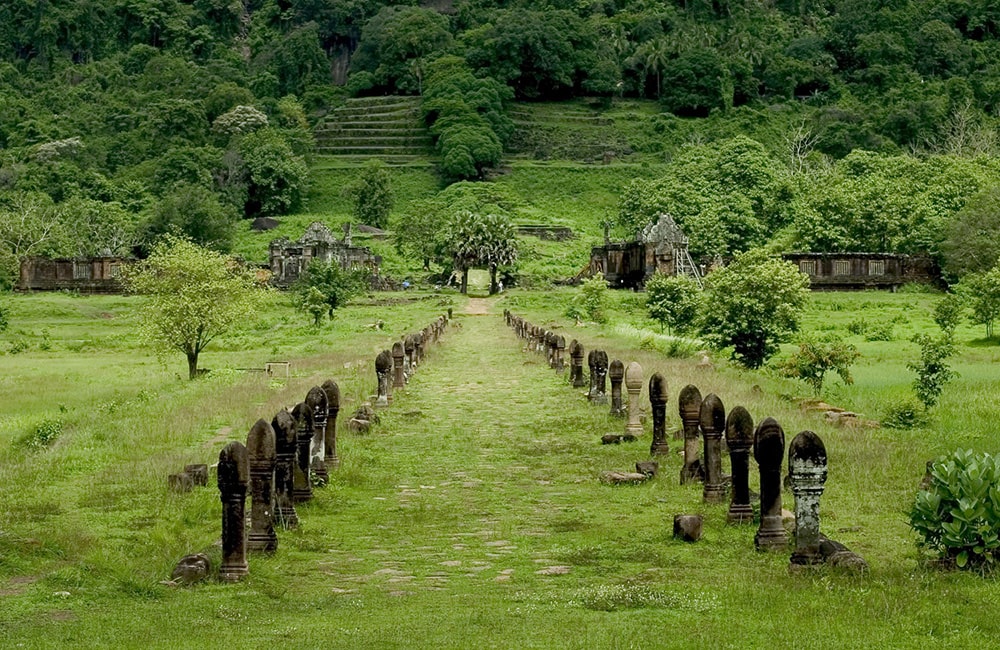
(847, 124)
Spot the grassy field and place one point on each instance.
(443, 525)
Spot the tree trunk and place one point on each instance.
(192, 364)
(493, 280)
(465, 281)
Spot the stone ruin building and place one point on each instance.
(86, 275)
(659, 247)
(859, 271)
(289, 260)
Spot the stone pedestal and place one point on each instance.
(418, 348)
(689, 408)
(633, 384)
(398, 380)
(560, 353)
(768, 451)
(713, 424)
(807, 467)
(576, 364)
(261, 455)
(616, 372)
(332, 391)
(383, 366)
(409, 347)
(658, 406)
(198, 473)
(234, 473)
(739, 439)
(285, 434)
(688, 527)
(301, 474)
(317, 401)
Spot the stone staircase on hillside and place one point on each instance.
(568, 132)
(388, 128)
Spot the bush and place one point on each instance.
(905, 414)
(673, 301)
(589, 303)
(959, 516)
(879, 332)
(4, 318)
(42, 434)
(932, 368)
(816, 357)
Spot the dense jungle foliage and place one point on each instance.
(124, 119)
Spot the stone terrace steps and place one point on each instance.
(388, 128)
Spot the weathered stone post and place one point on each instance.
(389, 375)
(689, 408)
(616, 372)
(383, 365)
(332, 391)
(301, 479)
(739, 438)
(550, 348)
(418, 347)
(576, 364)
(317, 401)
(398, 381)
(261, 456)
(592, 376)
(285, 445)
(769, 451)
(560, 353)
(409, 347)
(807, 466)
(234, 473)
(658, 405)
(713, 424)
(599, 373)
(633, 384)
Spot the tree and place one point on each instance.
(591, 301)
(972, 237)
(30, 224)
(932, 367)
(372, 194)
(816, 357)
(194, 212)
(673, 301)
(193, 296)
(474, 240)
(325, 287)
(693, 83)
(277, 177)
(753, 305)
(982, 294)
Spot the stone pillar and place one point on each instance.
(418, 347)
(576, 364)
(689, 408)
(598, 361)
(383, 365)
(658, 405)
(807, 468)
(332, 391)
(633, 384)
(769, 451)
(317, 401)
(616, 372)
(284, 428)
(409, 347)
(301, 479)
(550, 348)
(261, 456)
(234, 473)
(713, 424)
(449, 313)
(739, 439)
(397, 365)
(560, 353)
(592, 375)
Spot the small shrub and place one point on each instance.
(19, 345)
(590, 301)
(857, 326)
(42, 434)
(959, 516)
(932, 368)
(817, 357)
(905, 414)
(4, 318)
(879, 332)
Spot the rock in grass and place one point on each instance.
(191, 569)
(618, 478)
(688, 527)
(180, 482)
(647, 468)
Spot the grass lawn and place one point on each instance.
(444, 526)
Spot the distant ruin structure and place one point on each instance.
(660, 247)
(86, 275)
(288, 260)
(859, 271)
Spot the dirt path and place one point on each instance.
(478, 307)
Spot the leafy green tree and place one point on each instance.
(591, 301)
(673, 301)
(397, 43)
(277, 178)
(752, 305)
(693, 83)
(193, 295)
(982, 294)
(972, 238)
(472, 239)
(815, 357)
(372, 194)
(326, 287)
(948, 313)
(30, 224)
(194, 212)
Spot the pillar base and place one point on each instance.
(233, 572)
(262, 542)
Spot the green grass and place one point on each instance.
(482, 473)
